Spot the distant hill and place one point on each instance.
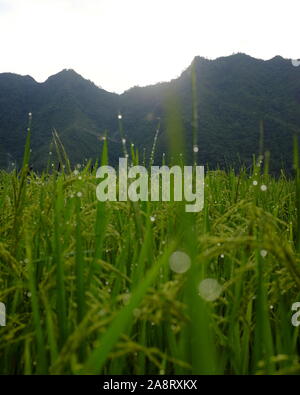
(234, 94)
(75, 107)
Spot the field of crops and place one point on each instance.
(146, 288)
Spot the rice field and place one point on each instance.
(145, 288)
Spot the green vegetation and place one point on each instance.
(88, 286)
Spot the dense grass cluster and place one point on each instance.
(88, 286)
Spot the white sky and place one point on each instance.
(122, 43)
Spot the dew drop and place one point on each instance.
(210, 289)
(263, 253)
(179, 262)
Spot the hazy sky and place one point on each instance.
(122, 43)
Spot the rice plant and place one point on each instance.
(143, 287)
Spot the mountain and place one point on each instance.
(75, 107)
(234, 95)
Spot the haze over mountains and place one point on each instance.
(234, 94)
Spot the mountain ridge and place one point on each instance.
(65, 71)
